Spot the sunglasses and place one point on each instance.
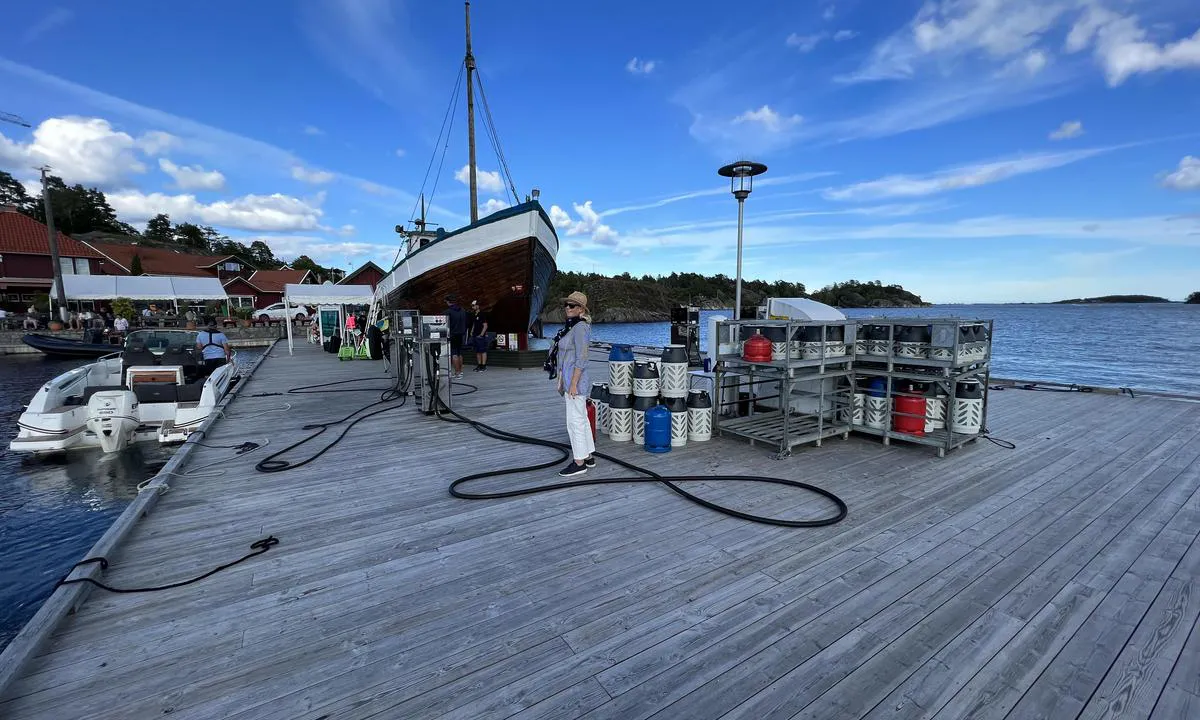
(571, 305)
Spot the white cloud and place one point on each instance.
(1186, 177)
(829, 12)
(768, 119)
(993, 31)
(57, 17)
(1123, 49)
(324, 251)
(1034, 61)
(488, 181)
(156, 142)
(805, 43)
(559, 218)
(640, 67)
(588, 224)
(315, 177)
(959, 178)
(491, 206)
(1069, 129)
(843, 35)
(192, 178)
(263, 213)
(346, 230)
(400, 152)
(313, 130)
(77, 149)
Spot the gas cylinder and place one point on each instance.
(935, 408)
(679, 420)
(908, 415)
(779, 341)
(591, 410)
(645, 379)
(620, 370)
(876, 409)
(757, 348)
(599, 397)
(620, 412)
(640, 406)
(699, 416)
(811, 342)
(967, 413)
(658, 429)
(673, 377)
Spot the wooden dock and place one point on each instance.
(1057, 580)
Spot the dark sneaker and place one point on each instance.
(590, 462)
(572, 469)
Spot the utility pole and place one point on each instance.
(14, 119)
(58, 278)
(471, 120)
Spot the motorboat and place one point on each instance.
(94, 344)
(154, 389)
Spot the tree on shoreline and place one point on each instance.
(1194, 298)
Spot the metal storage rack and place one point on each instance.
(881, 351)
(806, 353)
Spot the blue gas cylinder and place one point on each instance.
(658, 429)
(877, 387)
(621, 353)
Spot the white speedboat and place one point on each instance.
(155, 389)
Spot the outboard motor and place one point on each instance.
(113, 417)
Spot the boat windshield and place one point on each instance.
(158, 342)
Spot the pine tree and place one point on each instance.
(135, 267)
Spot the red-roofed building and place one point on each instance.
(367, 274)
(26, 269)
(270, 283)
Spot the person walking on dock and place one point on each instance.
(214, 347)
(570, 355)
(458, 332)
(479, 338)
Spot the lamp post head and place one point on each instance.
(741, 176)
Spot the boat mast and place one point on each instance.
(471, 120)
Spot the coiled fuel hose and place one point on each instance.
(456, 487)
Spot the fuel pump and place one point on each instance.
(432, 361)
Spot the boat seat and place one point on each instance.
(156, 392)
(190, 392)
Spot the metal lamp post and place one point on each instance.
(741, 182)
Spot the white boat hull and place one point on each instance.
(57, 419)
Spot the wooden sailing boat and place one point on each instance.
(505, 260)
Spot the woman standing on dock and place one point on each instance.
(571, 353)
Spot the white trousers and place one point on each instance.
(578, 427)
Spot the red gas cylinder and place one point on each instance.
(592, 416)
(908, 414)
(757, 348)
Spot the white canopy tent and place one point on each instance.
(142, 287)
(340, 295)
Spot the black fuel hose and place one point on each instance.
(651, 476)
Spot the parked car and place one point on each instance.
(278, 311)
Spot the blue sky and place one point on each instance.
(971, 150)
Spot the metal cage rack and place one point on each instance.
(807, 382)
(822, 370)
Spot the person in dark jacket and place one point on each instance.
(479, 336)
(458, 332)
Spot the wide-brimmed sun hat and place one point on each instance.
(578, 298)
